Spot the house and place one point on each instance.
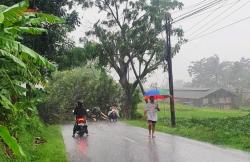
(201, 97)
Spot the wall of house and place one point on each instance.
(221, 99)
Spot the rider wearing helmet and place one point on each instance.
(79, 111)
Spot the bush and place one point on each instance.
(135, 102)
(65, 88)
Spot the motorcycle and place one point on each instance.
(113, 116)
(82, 127)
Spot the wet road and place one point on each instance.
(109, 142)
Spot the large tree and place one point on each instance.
(131, 34)
(206, 72)
(55, 42)
(211, 72)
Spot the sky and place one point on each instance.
(230, 44)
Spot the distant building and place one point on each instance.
(201, 97)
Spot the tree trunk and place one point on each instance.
(128, 103)
(127, 110)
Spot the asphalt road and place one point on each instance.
(118, 142)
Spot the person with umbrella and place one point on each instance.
(151, 109)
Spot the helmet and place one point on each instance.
(80, 102)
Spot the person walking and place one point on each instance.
(150, 111)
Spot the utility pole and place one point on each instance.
(168, 58)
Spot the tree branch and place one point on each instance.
(125, 14)
(145, 72)
(136, 75)
(113, 14)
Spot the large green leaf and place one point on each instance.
(8, 45)
(1, 18)
(39, 60)
(26, 51)
(10, 141)
(27, 54)
(2, 8)
(6, 103)
(12, 14)
(22, 30)
(12, 58)
(45, 18)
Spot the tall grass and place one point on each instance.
(229, 128)
(52, 149)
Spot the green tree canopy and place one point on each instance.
(55, 42)
(130, 34)
(211, 72)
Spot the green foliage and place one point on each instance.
(131, 34)
(51, 150)
(106, 92)
(73, 58)
(210, 72)
(10, 141)
(222, 127)
(65, 88)
(78, 56)
(21, 69)
(136, 101)
(55, 42)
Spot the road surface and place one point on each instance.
(118, 142)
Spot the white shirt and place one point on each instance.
(151, 109)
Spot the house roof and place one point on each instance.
(196, 93)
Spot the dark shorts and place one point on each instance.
(150, 121)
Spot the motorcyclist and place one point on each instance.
(113, 113)
(79, 112)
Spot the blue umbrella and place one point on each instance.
(157, 93)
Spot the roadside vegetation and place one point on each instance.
(94, 87)
(229, 128)
(23, 137)
(40, 143)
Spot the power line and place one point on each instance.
(205, 7)
(195, 9)
(209, 10)
(203, 19)
(201, 29)
(227, 16)
(246, 18)
(191, 6)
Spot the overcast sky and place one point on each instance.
(231, 43)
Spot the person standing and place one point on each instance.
(151, 110)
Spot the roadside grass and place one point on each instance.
(230, 128)
(52, 149)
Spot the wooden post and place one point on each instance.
(170, 71)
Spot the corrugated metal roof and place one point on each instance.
(195, 93)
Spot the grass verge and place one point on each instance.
(230, 128)
(50, 148)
